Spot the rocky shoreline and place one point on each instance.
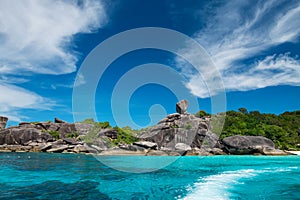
(177, 134)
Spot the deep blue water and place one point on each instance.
(73, 176)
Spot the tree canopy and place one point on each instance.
(283, 129)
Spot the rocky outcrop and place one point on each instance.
(81, 149)
(39, 132)
(57, 120)
(182, 147)
(70, 141)
(3, 121)
(146, 145)
(83, 129)
(21, 136)
(182, 133)
(58, 149)
(111, 133)
(273, 152)
(177, 134)
(181, 106)
(181, 128)
(130, 147)
(249, 145)
(157, 153)
(39, 136)
(116, 151)
(64, 129)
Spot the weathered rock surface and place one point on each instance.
(177, 134)
(65, 129)
(157, 153)
(14, 148)
(3, 121)
(58, 149)
(97, 148)
(111, 133)
(119, 152)
(36, 137)
(181, 106)
(216, 151)
(19, 135)
(37, 132)
(273, 152)
(45, 147)
(247, 144)
(71, 141)
(102, 142)
(83, 129)
(130, 147)
(182, 147)
(56, 120)
(181, 128)
(80, 149)
(145, 144)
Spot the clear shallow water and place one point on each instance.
(71, 176)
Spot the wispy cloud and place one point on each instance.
(272, 70)
(241, 30)
(36, 38)
(14, 98)
(79, 80)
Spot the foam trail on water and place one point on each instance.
(216, 186)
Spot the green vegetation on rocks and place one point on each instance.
(125, 135)
(72, 135)
(54, 134)
(283, 129)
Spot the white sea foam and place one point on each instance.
(294, 167)
(217, 187)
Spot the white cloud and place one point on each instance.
(12, 79)
(36, 38)
(241, 30)
(271, 71)
(288, 27)
(14, 98)
(80, 80)
(35, 35)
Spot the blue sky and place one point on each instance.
(253, 44)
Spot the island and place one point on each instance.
(177, 134)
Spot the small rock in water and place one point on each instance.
(181, 106)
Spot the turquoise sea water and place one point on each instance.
(73, 176)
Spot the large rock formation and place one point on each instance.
(250, 145)
(38, 136)
(83, 129)
(180, 133)
(108, 132)
(181, 130)
(21, 136)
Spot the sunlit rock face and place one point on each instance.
(181, 129)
